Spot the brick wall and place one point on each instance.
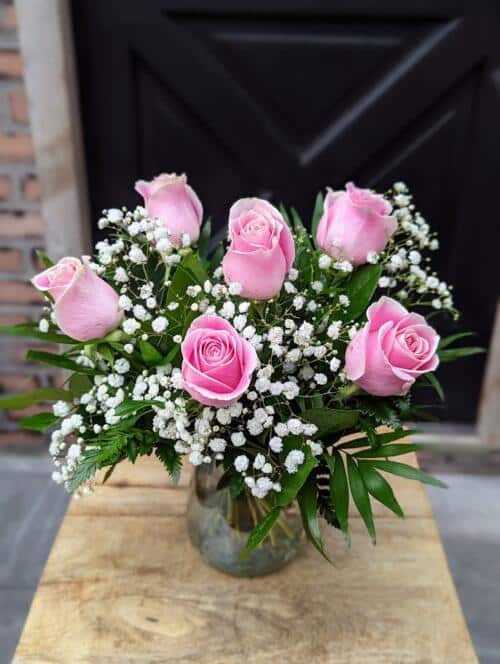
(21, 230)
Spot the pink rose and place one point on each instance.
(86, 307)
(393, 349)
(354, 222)
(217, 363)
(168, 197)
(261, 249)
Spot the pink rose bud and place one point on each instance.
(168, 197)
(392, 350)
(217, 363)
(261, 249)
(354, 223)
(86, 307)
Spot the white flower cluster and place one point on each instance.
(407, 274)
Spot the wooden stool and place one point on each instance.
(123, 584)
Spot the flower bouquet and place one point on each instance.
(254, 360)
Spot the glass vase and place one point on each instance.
(219, 526)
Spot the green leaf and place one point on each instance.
(39, 422)
(308, 503)
(284, 214)
(171, 460)
(328, 420)
(204, 239)
(383, 451)
(404, 470)
(31, 330)
(360, 289)
(339, 492)
(292, 483)
(79, 384)
(149, 353)
(58, 361)
(447, 341)
(85, 469)
(456, 353)
(434, 382)
(129, 406)
(381, 439)
(360, 497)
(300, 228)
(217, 257)
(260, 532)
(318, 211)
(106, 352)
(108, 473)
(39, 395)
(43, 258)
(189, 272)
(379, 488)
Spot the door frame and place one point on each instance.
(51, 83)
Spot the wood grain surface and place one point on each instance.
(123, 584)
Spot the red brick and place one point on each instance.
(16, 147)
(16, 383)
(19, 292)
(10, 261)
(11, 65)
(20, 352)
(21, 225)
(12, 318)
(9, 18)
(18, 103)
(28, 412)
(5, 187)
(31, 188)
(20, 439)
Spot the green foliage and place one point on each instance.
(129, 406)
(330, 420)
(43, 258)
(404, 470)
(318, 211)
(339, 492)
(149, 353)
(307, 499)
(170, 459)
(31, 330)
(444, 342)
(379, 488)
(384, 451)
(434, 382)
(40, 422)
(451, 354)
(260, 532)
(300, 229)
(380, 439)
(360, 288)
(39, 395)
(360, 497)
(79, 384)
(292, 483)
(204, 239)
(59, 361)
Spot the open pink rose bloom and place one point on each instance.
(86, 307)
(168, 197)
(354, 223)
(392, 350)
(261, 249)
(217, 363)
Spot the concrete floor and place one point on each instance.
(468, 516)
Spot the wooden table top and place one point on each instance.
(123, 584)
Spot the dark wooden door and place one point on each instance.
(279, 99)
